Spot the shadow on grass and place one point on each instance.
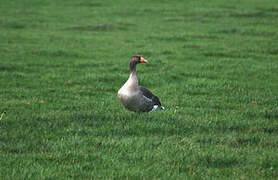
(145, 53)
(225, 55)
(58, 53)
(258, 14)
(216, 162)
(273, 9)
(274, 52)
(270, 130)
(184, 37)
(268, 114)
(14, 25)
(105, 27)
(199, 75)
(90, 4)
(9, 68)
(235, 142)
(237, 31)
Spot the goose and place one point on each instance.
(134, 97)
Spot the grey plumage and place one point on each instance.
(134, 97)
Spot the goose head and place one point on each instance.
(134, 60)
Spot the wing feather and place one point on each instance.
(147, 93)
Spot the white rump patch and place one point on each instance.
(156, 107)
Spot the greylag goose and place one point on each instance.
(134, 97)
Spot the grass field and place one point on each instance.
(214, 65)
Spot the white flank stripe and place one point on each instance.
(150, 100)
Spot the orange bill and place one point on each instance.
(142, 60)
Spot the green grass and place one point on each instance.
(212, 63)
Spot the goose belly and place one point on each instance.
(135, 102)
(129, 100)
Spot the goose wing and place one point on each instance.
(148, 94)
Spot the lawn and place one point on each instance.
(213, 64)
